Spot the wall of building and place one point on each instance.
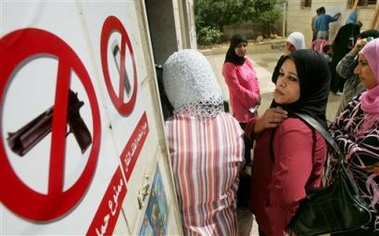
(172, 27)
(299, 19)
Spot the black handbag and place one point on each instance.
(336, 208)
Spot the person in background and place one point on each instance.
(313, 25)
(356, 132)
(244, 98)
(294, 41)
(289, 155)
(243, 85)
(342, 44)
(319, 44)
(360, 24)
(345, 68)
(205, 146)
(327, 51)
(323, 21)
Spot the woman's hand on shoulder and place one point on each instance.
(271, 118)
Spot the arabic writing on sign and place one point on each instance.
(113, 207)
(135, 144)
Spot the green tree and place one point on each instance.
(267, 13)
(212, 15)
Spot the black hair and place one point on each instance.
(326, 48)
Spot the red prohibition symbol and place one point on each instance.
(111, 25)
(15, 48)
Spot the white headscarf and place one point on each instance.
(297, 40)
(191, 85)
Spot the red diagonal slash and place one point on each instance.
(15, 48)
(112, 25)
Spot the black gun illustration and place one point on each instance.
(28, 136)
(117, 59)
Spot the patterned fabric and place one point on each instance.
(209, 108)
(206, 155)
(361, 151)
(353, 85)
(188, 78)
(370, 98)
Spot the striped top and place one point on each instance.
(206, 155)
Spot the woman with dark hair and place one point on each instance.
(244, 98)
(243, 85)
(342, 44)
(294, 41)
(289, 155)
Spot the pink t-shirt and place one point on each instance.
(244, 91)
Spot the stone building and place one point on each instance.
(297, 14)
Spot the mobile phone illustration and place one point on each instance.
(117, 58)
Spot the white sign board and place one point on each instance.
(74, 116)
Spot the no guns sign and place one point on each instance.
(16, 50)
(80, 130)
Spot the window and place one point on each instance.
(306, 3)
(362, 3)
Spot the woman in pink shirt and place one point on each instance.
(289, 155)
(243, 85)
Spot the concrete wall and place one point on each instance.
(162, 29)
(299, 19)
(172, 27)
(252, 31)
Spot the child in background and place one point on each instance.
(327, 51)
(319, 44)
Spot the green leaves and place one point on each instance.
(212, 15)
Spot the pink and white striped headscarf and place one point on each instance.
(370, 98)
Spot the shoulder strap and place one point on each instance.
(317, 126)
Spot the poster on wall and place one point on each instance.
(73, 119)
(156, 214)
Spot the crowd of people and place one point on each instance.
(211, 148)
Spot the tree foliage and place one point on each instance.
(214, 14)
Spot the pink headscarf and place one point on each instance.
(370, 98)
